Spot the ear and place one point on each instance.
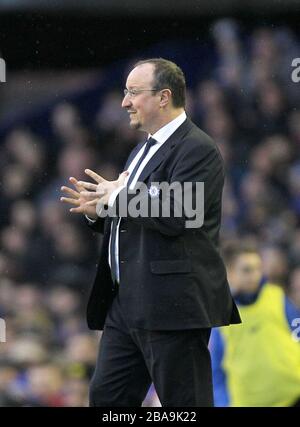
(165, 97)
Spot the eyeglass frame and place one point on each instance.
(133, 92)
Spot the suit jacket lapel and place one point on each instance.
(164, 150)
(133, 154)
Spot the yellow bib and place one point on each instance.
(261, 359)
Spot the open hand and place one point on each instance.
(87, 195)
(103, 189)
(78, 200)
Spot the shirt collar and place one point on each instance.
(167, 130)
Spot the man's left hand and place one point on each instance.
(104, 188)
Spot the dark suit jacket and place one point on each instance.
(171, 277)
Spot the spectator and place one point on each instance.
(256, 364)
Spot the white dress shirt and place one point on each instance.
(161, 137)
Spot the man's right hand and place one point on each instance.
(79, 201)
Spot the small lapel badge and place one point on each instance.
(153, 191)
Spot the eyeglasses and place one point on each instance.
(133, 92)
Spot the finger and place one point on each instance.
(90, 194)
(80, 210)
(122, 177)
(70, 191)
(72, 179)
(69, 200)
(76, 184)
(87, 185)
(94, 175)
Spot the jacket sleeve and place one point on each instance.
(96, 225)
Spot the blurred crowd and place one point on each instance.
(248, 104)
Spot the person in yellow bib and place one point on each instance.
(256, 363)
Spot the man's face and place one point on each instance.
(246, 272)
(143, 107)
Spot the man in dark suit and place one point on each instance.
(161, 284)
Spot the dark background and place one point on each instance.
(67, 34)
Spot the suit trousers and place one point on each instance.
(129, 360)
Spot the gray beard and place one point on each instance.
(135, 126)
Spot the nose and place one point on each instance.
(126, 102)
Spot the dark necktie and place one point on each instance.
(150, 142)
